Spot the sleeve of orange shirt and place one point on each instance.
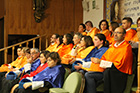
(130, 34)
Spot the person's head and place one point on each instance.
(24, 49)
(53, 59)
(88, 25)
(19, 49)
(27, 53)
(43, 56)
(138, 22)
(77, 38)
(100, 40)
(103, 25)
(119, 34)
(86, 41)
(126, 22)
(67, 39)
(34, 53)
(59, 40)
(54, 37)
(81, 28)
(113, 26)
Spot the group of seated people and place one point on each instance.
(99, 54)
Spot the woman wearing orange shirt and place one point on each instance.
(104, 27)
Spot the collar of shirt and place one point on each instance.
(128, 29)
(52, 43)
(42, 64)
(118, 44)
(88, 31)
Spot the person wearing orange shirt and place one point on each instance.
(135, 41)
(118, 63)
(73, 53)
(59, 42)
(93, 72)
(103, 26)
(67, 45)
(91, 31)
(81, 29)
(112, 27)
(18, 63)
(53, 44)
(126, 24)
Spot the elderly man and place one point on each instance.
(32, 65)
(118, 63)
(33, 62)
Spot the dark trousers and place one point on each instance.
(91, 79)
(114, 80)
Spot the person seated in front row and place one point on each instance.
(118, 63)
(53, 44)
(32, 65)
(43, 57)
(18, 63)
(6, 83)
(104, 28)
(93, 72)
(52, 76)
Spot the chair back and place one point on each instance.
(74, 83)
(67, 72)
(130, 78)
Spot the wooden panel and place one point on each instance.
(61, 16)
(2, 10)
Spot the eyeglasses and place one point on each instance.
(118, 32)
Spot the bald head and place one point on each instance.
(119, 34)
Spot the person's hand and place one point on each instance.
(78, 47)
(79, 66)
(6, 74)
(30, 60)
(95, 60)
(26, 85)
(72, 60)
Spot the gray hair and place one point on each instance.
(79, 35)
(36, 50)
